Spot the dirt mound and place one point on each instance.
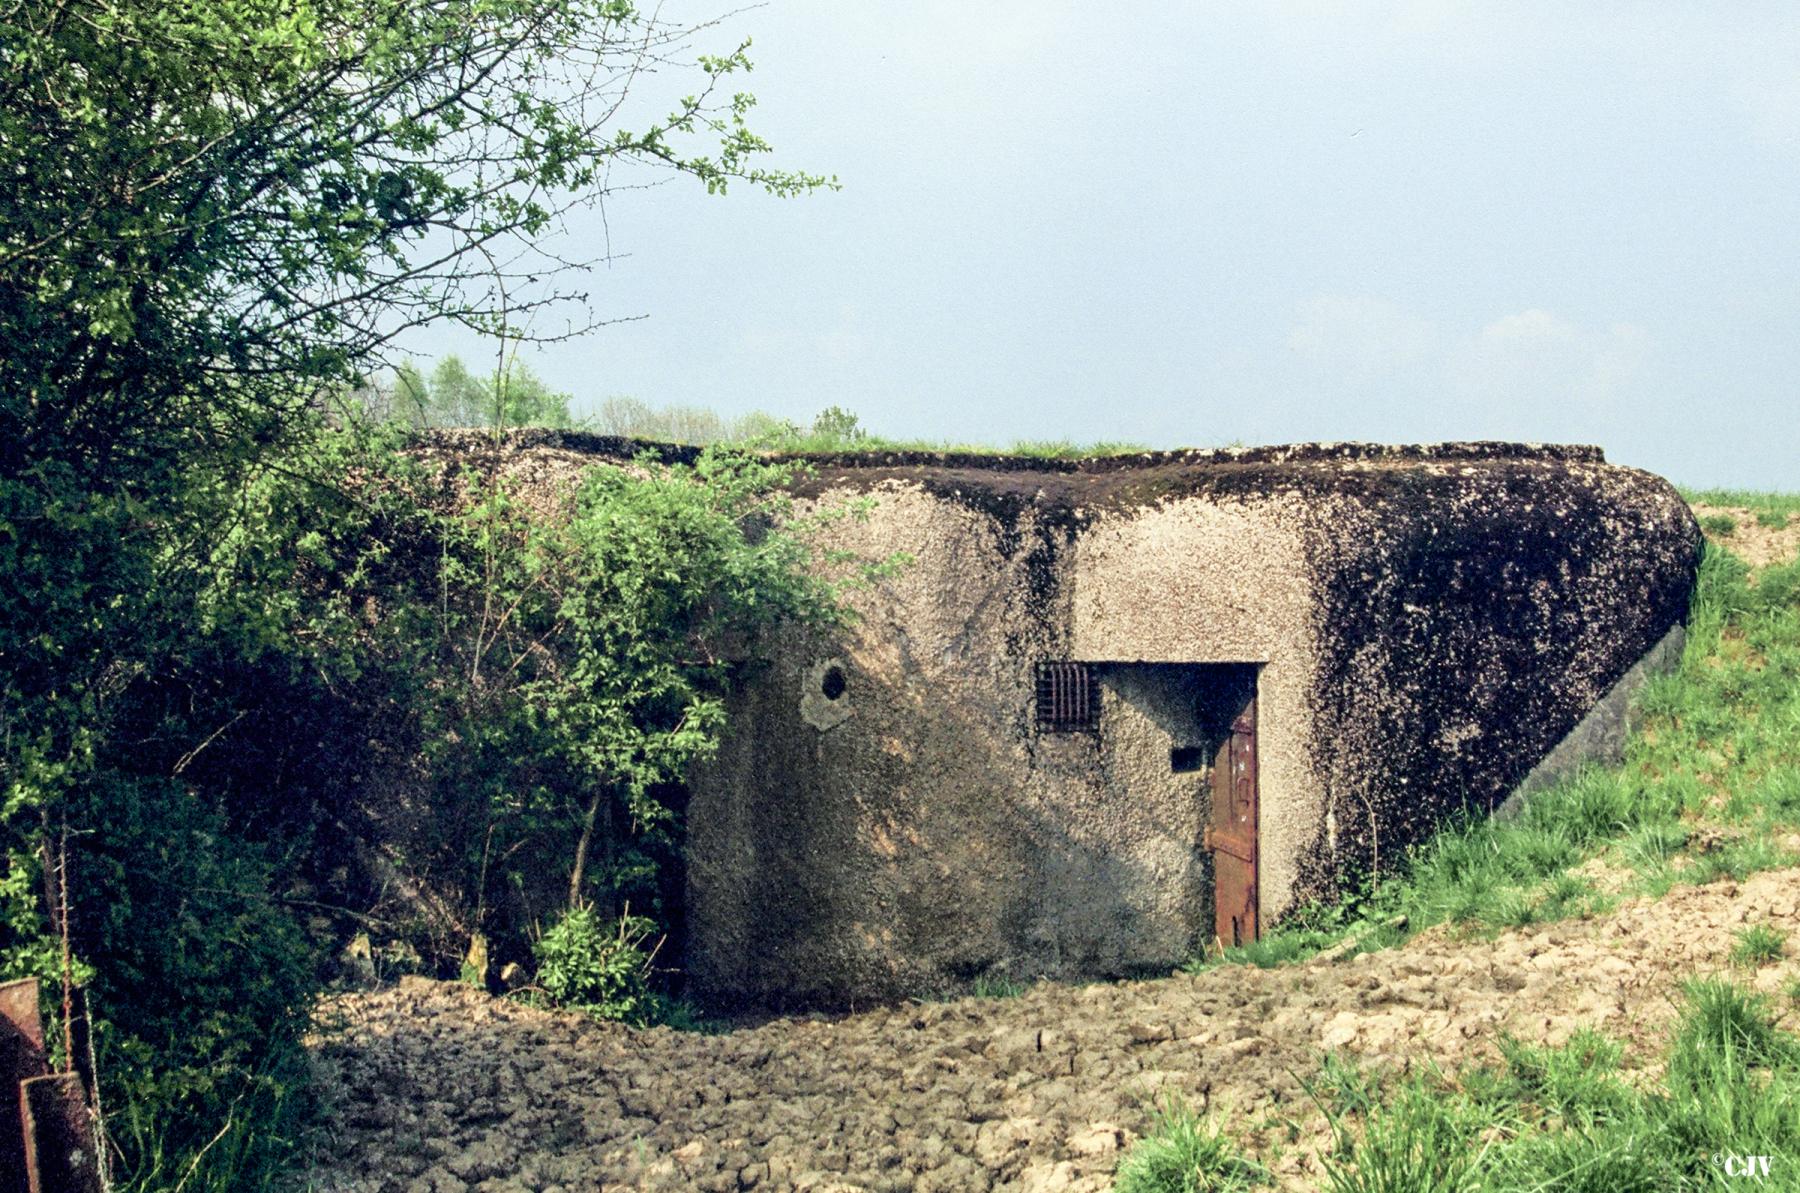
(436, 1088)
(1756, 543)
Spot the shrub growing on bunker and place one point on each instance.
(542, 667)
(587, 654)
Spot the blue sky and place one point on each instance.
(1193, 224)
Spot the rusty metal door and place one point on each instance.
(1231, 831)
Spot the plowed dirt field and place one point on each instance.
(437, 1088)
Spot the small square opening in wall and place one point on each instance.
(1187, 759)
(1068, 698)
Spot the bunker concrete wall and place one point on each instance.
(1467, 618)
(897, 845)
(1428, 624)
(920, 831)
(1199, 580)
(1426, 630)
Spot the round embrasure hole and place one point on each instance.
(832, 682)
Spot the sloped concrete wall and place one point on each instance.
(1467, 618)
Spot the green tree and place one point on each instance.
(222, 210)
(454, 396)
(232, 206)
(219, 214)
(838, 425)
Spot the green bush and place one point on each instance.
(202, 984)
(546, 683)
(601, 967)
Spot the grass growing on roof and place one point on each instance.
(1756, 500)
(1709, 789)
(1042, 449)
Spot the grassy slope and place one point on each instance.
(1710, 788)
(1770, 505)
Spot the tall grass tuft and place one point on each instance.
(1185, 1152)
(1427, 1139)
(1758, 944)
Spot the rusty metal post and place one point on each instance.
(60, 1155)
(47, 1139)
(21, 1059)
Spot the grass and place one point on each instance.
(997, 987)
(1409, 1142)
(1185, 1152)
(1758, 944)
(1708, 790)
(263, 1134)
(1760, 502)
(1568, 1118)
(1294, 944)
(1722, 525)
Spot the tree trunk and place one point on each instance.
(579, 872)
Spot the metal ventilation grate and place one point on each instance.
(1068, 699)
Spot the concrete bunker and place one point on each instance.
(1120, 709)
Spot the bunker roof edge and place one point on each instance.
(620, 447)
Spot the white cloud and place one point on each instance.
(1540, 361)
(1528, 375)
(1361, 336)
